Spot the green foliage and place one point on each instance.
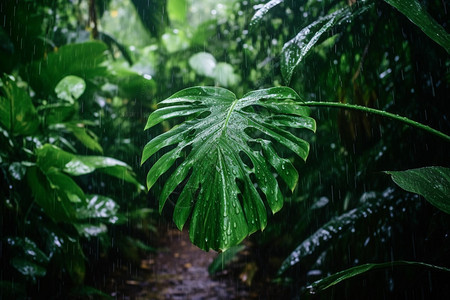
(65, 99)
(55, 202)
(337, 228)
(17, 113)
(295, 50)
(83, 60)
(433, 183)
(205, 64)
(419, 16)
(216, 142)
(336, 278)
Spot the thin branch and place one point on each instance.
(380, 113)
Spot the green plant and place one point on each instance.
(316, 38)
(228, 143)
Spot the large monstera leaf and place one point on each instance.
(224, 159)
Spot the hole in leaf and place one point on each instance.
(204, 114)
(245, 159)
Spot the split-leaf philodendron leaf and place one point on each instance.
(224, 158)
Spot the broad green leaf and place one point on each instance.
(70, 88)
(57, 112)
(203, 32)
(175, 41)
(224, 75)
(338, 277)
(325, 236)
(99, 207)
(17, 170)
(433, 183)
(28, 268)
(50, 156)
(262, 11)
(177, 10)
(131, 84)
(203, 63)
(83, 60)
(28, 259)
(81, 132)
(27, 248)
(90, 230)
(414, 11)
(223, 156)
(65, 186)
(59, 209)
(298, 48)
(17, 112)
(153, 14)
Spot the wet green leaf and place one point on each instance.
(57, 112)
(175, 41)
(338, 277)
(27, 248)
(177, 10)
(224, 75)
(204, 31)
(262, 11)
(299, 47)
(70, 88)
(210, 146)
(99, 207)
(82, 133)
(17, 112)
(90, 230)
(203, 63)
(153, 14)
(60, 209)
(28, 268)
(131, 83)
(433, 183)
(17, 170)
(325, 236)
(414, 11)
(50, 156)
(65, 186)
(83, 60)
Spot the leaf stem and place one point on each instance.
(380, 113)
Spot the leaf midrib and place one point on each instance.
(227, 119)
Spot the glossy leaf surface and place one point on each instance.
(414, 11)
(70, 88)
(17, 112)
(227, 157)
(298, 48)
(50, 156)
(262, 11)
(203, 63)
(338, 277)
(433, 183)
(332, 230)
(83, 60)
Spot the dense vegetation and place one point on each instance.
(309, 126)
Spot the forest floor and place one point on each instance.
(179, 270)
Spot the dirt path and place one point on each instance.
(179, 270)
